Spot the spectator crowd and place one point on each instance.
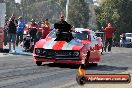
(15, 28)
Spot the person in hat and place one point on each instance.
(20, 30)
(33, 29)
(64, 29)
(45, 28)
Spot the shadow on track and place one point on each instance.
(22, 54)
(98, 68)
(107, 68)
(60, 65)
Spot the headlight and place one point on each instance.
(74, 54)
(40, 51)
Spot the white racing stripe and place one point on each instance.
(49, 44)
(67, 46)
(71, 44)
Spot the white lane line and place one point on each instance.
(5, 55)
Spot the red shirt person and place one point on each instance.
(33, 25)
(109, 30)
(33, 29)
(45, 29)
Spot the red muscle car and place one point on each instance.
(84, 49)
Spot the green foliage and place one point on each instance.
(51, 9)
(117, 12)
(78, 13)
(42, 9)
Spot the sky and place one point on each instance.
(95, 3)
(18, 1)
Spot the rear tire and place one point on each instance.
(86, 64)
(83, 66)
(38, 63)
(93, 64)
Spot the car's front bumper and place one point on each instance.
(59, 60)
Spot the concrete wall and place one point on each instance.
(2, 14)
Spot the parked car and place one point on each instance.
(84, 49)
(128, 42)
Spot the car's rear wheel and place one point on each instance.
(94, 64)
(85, 65)
(38, 63)
(87, 61)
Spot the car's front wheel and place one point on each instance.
(38, 63)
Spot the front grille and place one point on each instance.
(57, 53)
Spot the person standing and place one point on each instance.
(123, 38)
(33, 29)
(20, 30)
(62, 25)
(45, 29)
(109, 30)
(64, 30)
(12, 24)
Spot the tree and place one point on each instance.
(117, 12)
(51, 9)
(78, 13)
(12, 7)
(42, 9)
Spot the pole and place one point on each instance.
(67, 7)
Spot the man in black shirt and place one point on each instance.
(12, 24)
(64, 30)
(123, 37)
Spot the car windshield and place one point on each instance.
(128, 35)
(52, 34)
(79, 35)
